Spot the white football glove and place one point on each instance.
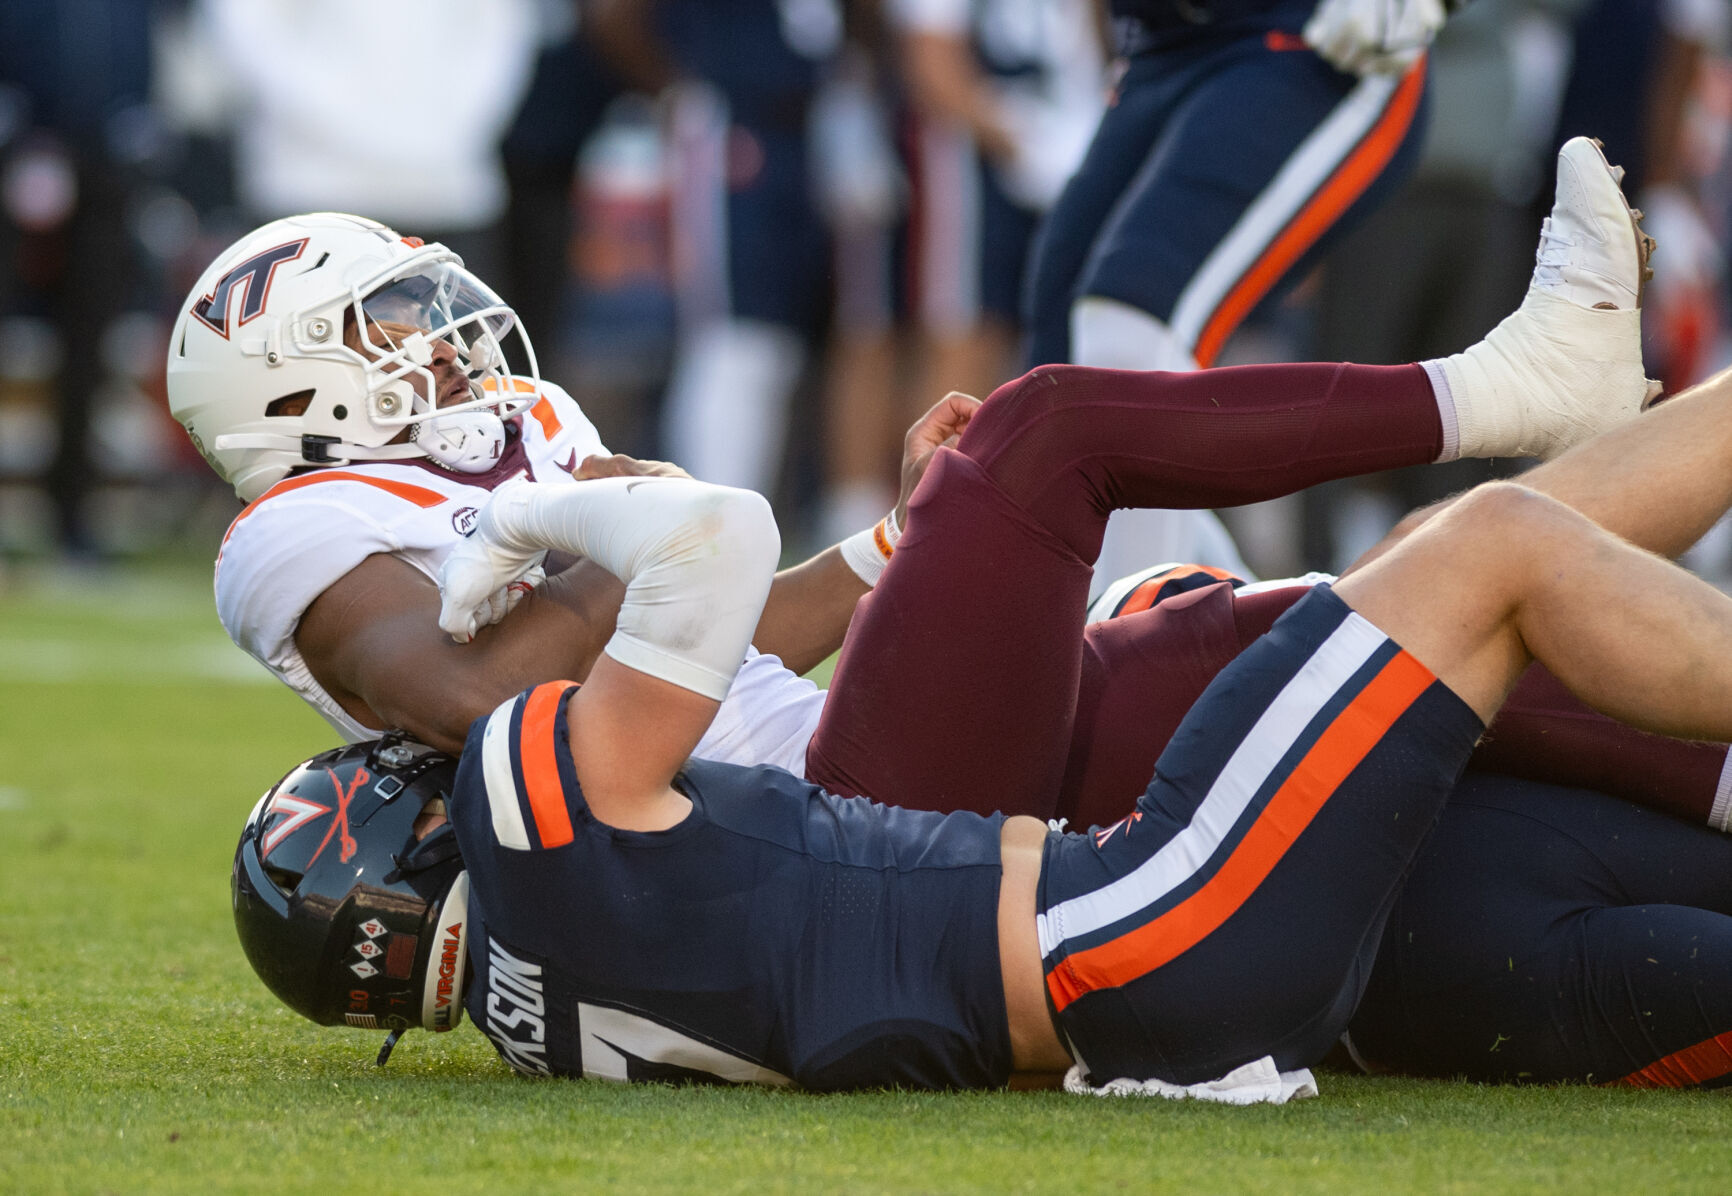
(1373, 37)
(482, 580)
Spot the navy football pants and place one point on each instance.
(1557, 934)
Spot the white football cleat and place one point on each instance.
(1568, 364)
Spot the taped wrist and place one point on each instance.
(696, 559)
(869, 551)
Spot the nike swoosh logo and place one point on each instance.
(570, 463)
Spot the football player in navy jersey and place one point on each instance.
(627, 908)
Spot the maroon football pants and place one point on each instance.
(967, 681)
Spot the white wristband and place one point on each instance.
(868, 552)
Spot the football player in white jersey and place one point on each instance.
(365, 393)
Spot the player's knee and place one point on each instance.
(1017, 407)
(1503, 519)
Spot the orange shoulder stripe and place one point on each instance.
(540, 767)
(543, 413)
(421, 496)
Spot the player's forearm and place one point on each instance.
(697, 561)
(807, 613)
(373, 643)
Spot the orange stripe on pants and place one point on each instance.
(1318, 216)
(1346, 742)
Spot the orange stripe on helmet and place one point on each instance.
(1319, 214)
(540, 767)
(1346, 742)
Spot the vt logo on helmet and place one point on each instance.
(328, 338)
(252, 280)
(348, 906)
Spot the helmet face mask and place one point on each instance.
(346, 911)
(356, 325)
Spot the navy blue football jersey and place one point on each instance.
(777, 935)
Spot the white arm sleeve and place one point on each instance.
(697, 560)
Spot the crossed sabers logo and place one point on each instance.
(300, 811)
(1101, 836)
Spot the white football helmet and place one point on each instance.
(260, 375)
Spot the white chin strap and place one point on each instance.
(467, 442)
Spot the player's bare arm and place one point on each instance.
(947, 85)
(372, 640)
(696, 561)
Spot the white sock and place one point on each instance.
(1445, 409)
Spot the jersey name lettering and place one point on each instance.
(516, 1003)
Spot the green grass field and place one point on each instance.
(138, 1053)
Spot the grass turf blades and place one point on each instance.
(138, 1052)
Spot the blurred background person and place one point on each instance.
(571, 89)
(1003, 97)
(393, 109)
(868, 388)
(76, 133)
(749, 249)
(946, 134)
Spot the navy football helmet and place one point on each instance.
(345, 914)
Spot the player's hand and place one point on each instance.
(504, 600)
(481, 579)
(621, 466)
(1374, 37)
(938, 427)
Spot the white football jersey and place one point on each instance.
(307, 531)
